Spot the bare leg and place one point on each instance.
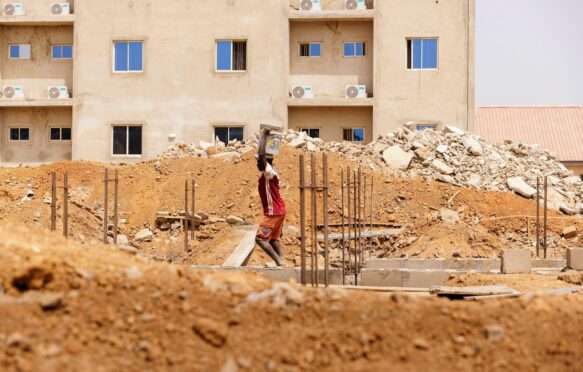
(277, 248)
(267, 248)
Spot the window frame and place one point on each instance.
(228, 126)
(309, 43)
(135, 156)
(231, 71)
(19, 58)
(364, 49)
(61, 46)
(352, 129)
(307, 131)
(20, 140)
(131, 72)
(411, 58)
(426, 126)
(60, 140)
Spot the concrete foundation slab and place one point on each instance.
(516, 261)
(575, 259)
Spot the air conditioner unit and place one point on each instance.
(310, 5)
(356, 91)
(302, 92)
(354, 5)
(60, 8)
(13, 9)
(12, 92)
(58, 92)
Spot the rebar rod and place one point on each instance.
(325, 211)
(193, 205)
(66, 205)
(546, 213)
(538, 217)
(303, 219)
(105, 206)
(54, 201)
(186, 217)
(314, 224)
(355, 221)
(371, 212)
(348, 191)
(343, 242)
(115, 206)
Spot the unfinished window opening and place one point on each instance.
(422, 53)
(231, 55)
(353, 134)
(310, 50)
(128, 56)
(127, 140)
(311, 132)
(60, 134)
(19, 51)
(19, 134)
(229, 133)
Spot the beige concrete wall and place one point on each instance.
(332, 72)
(38, 148)
(37, 8)
(576, 168)
(179, 91)
(442, 96)
(331, 120)
(35, 75)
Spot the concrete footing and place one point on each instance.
(575, 259)
(406, 278)
(492, 265)
(516, 261)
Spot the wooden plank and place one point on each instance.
(365, 234)
(243, 250)
(490, 290)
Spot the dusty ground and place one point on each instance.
(67, 306)
(488, 221)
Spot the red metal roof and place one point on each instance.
(555, 128)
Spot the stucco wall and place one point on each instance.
(332, 72)
(39, 72)
(179, 91)
(331, 120)
(442, 96)
(38, 148)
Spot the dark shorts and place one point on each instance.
(270, 228)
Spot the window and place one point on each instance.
(354, 49)
(128, 56)
(19, 134)
(311, 132)
(60, 134)
(62, 51)
(353, 134)
(19, 51)
(228, 134)
(422, 54)
(231, 55)
(422, 127)
(310, 50)
(127, 140)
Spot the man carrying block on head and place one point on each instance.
(271, 226)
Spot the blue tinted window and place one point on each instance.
(430, 53)
(315, 50)
(121, 56)
(360, 49)
(224, 57)
(67, 51)
(358, 135)
(348, 49)
(420, 128)
(135, 56)
(423, 53)
(128, 56)
(15, 51)
(57, 51)
(417, 53)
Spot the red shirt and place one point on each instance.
(273, 204)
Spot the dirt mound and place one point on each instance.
(65, 306)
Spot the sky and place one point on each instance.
(529, 52)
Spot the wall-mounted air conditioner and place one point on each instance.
(356, 91)
(302, 92)
(58, 92)
(12, 92)
(60, 8)
(310, 5)
(354, 4)
(13, 9)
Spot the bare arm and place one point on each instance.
(262, 147)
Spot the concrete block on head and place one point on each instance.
(516, 261)
(575, 259)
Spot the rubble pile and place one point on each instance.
(450, 156)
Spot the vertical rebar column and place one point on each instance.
(314, 224)
(355, 226)
(349, 213)
(371, 213)
(303, 218)
(54, 201)
(115, 206)
(364, 215)
(538, 217)
(193, 205)
(546, 213)
(359, 219)
(66, 205)
(186, 218)
(325, 210)
(105, 206)
(343, 242)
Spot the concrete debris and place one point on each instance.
(450, 156)
(144, 235)
(570, 232)
(448, 216)
(234, 220)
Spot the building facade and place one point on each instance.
(138, 76)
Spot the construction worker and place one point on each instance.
(271, 226)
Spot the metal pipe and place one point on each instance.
(105, 206)
(115, 207)
(343, 242)
(303, 218)
(186, 217)
(54, 201)
(546, 213)
(66, 205)
(325, 210)
(538, 217)
(314, 224)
